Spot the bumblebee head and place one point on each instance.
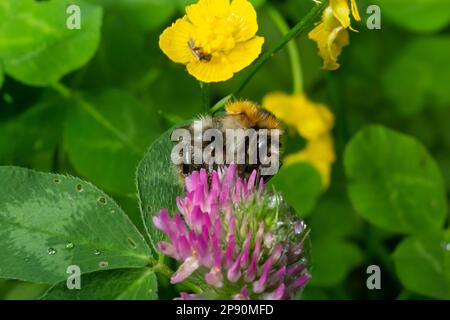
(252, 115)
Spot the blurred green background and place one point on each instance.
(119, 92)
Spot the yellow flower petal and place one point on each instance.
(311, 119)
(331, 33)
(244, 53)
(244, 15)
(316, 121)
(341, 11)
(320, 154)
(215, 70)
(174, 41)
(280, 104)
(331, 37)
(355, 11)
(204, 11)
(337, 39)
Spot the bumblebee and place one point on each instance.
(245, 135)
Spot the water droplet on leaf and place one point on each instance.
(102, 200)
(103, 264)
(69, 245)
(133, 244)
(79, 188)
(97, 252)
(51, 251)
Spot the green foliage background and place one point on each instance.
(89, 103)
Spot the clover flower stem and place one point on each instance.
(298, 29)
(165, 271)
(294, 54)
(206, 91)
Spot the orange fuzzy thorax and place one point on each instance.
(254, 116)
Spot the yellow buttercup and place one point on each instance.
(215, 39)
(331, 34)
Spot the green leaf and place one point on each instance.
(146, 14)
(257, 3)
(301, 185)
(106, 136)
(37, 48)
(175, 92)
(423, 265)
(393, 182)
(112, 67)
(2, 77)
(332, 260)
(418, 77)
(158, 183)
(49, 222)
(33, 132)
(417, 15)
(314, 293)
(334, 217)
(123, 284)
(19, 290)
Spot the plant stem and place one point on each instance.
(62, 89)
(340, 109)
(294, 54)
(299, 28)
(206, 88)
(219, 105)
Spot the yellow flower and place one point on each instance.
(319, 153)
(314, 122)
(215, 39)
(331, 33)
(311, 119)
